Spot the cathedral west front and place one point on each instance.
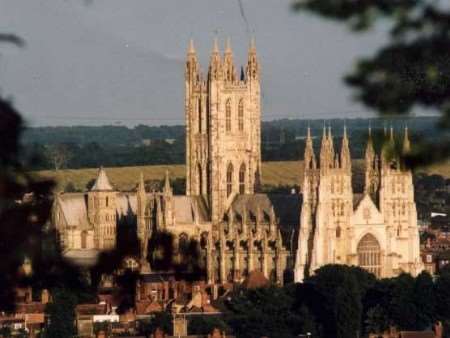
(239, 229)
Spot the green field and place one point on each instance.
(126, 178)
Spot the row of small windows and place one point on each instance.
(230, 174)
(240, 115)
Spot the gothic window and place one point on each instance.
(228, 115)
(199, 115)
(369, 254)
(84, 239)
(241, 115)
(199, 177)
(338, 232)
(242, 179)
(229, 179)
(107, 200)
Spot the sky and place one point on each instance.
(118, 62)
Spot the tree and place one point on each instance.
(341, 289)
(21, 224)
(412, 70)
(443, 294)
(377, 320)
(403, 311)
(58, 155)
(262, 312)
(62, 314)
(424, 300)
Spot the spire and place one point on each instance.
(215, 46)
(102, 182)
(141, 185)
(324, 158)
(406, 142)
(252, 63)
(191, 49)
(228, 46)
(370, 152)
(215, 65)
(192, 68)
(253, 44)
(330, 141)
(228, 64)
(167, 188)
(346, 161)
(309, 158)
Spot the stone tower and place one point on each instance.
(102, 212)
(397, 204)
(223, 128)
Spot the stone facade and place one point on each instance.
(376, 229)
(239, 230)
(223, 129)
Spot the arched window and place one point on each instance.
(242, 179)
(229, 179)
(199, 114)
(369, 254)
(228, 115)
(84, 239)
(241, 115)
(199, 177)
(107, 200)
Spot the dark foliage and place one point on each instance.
(61, 312)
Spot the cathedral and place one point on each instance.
(237, 228)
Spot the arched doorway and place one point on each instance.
(369, 254)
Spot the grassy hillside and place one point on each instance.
(125, 178)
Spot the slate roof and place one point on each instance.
(286, 207)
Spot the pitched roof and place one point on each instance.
(286, 207)
(186, 208)
(102, 182)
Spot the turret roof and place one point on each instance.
(102, 182)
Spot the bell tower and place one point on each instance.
(223, 128)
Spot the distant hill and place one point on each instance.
(284, 174)
(118, 146)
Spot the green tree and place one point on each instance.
(377, 320)
(61, 312)
(411, 70)
(424, 300)
(443, 294)
(403, 310)
(262, 312)
(341, 287)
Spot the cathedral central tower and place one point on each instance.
(223, 128)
